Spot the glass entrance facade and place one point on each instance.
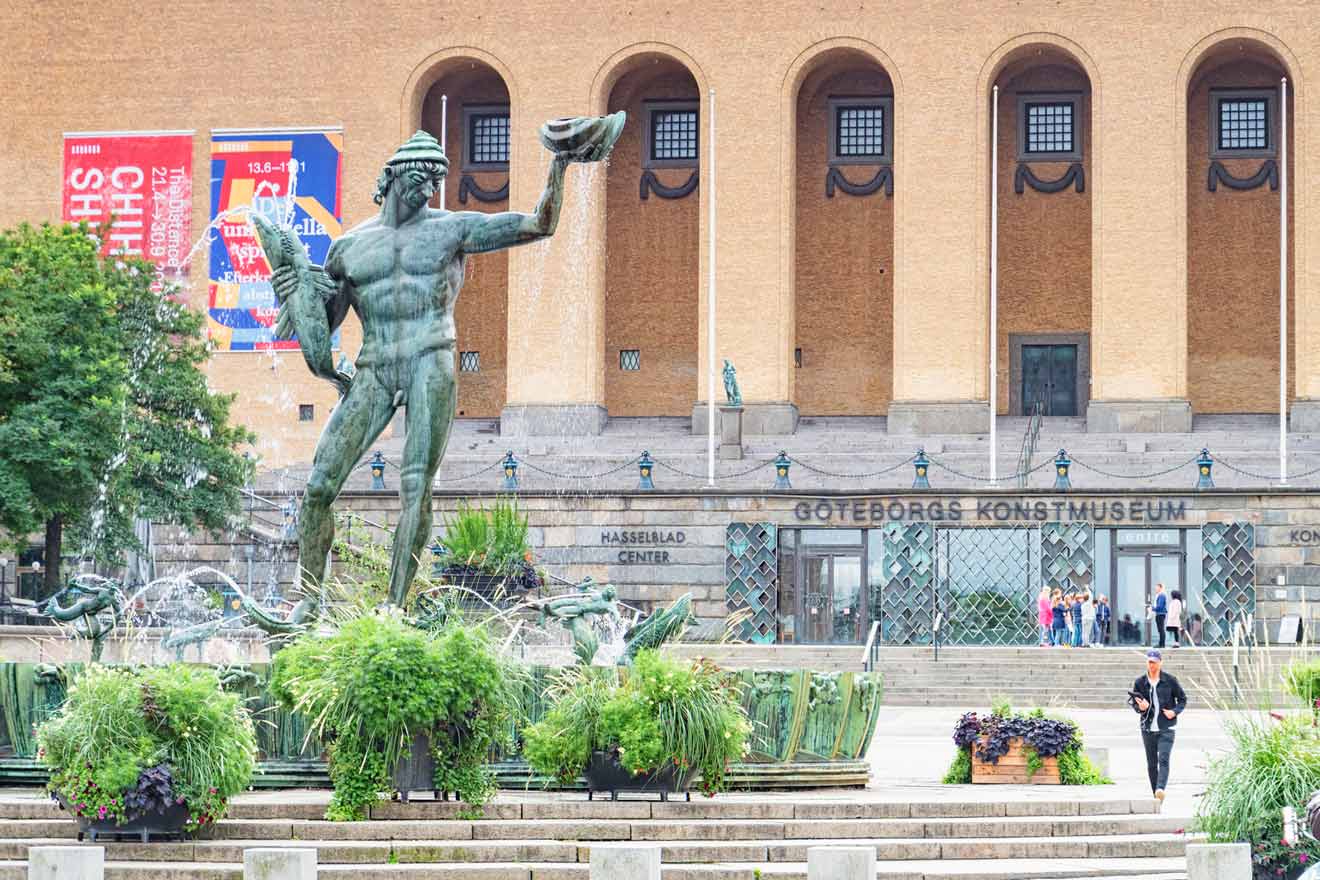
(978, 585)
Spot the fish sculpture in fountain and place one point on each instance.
(94, 614)
(663, 626)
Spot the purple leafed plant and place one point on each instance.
(1048, 737)
(154, 792)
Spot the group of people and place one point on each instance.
(1079, 620)
(1074, 619)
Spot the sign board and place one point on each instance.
(292, 178)
(140, 183)
(1290, 629)
(1148, 537)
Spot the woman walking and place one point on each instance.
(1044, 617)
(1173, 621)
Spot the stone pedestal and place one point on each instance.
(66, 863)
(758, 418)
(1171, 416)
(1304, 416)
(1218, 861)
(731, 428)
(624, 862)
(841, 863)
(279, 863)
(922, 418)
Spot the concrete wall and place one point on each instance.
(370, 68)
(844, 311)
(577, 536)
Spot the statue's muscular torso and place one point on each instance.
(403, 282)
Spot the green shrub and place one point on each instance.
(1302, 679)
(960, 771)
(1270, 765)
(377, 682)
(666, 711)
(1076, 769)
(120, 725)
(497, 540)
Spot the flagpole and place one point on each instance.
(1283, 281)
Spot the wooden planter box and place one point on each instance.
(1011, 769)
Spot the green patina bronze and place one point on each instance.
(401, 272)
(576, 612)
(731, 392)
(94, 615)
(662, 626)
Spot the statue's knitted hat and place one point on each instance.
(421, 147)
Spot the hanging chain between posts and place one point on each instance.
(1148, 476)
(477, 473)
(984, 478)
(823, 472)
(540, 470)
(1266, 477)
(718, 477)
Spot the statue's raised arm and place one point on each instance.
(578, 139)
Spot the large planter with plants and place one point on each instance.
(147, 752)
(605, 772)
(378, 689)
(488, 552)
(667, 722)
(1031, 749)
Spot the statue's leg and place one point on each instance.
(354, 426)
(432, 398)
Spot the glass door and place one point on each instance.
(1129, 614)
(832, 609)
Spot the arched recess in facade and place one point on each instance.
(843, 135)
(477, 143)
(1230, 89)
(1046, 183)
(653, 233)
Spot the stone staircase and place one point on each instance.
(1081, 677)
(831, 452)
(955, 834)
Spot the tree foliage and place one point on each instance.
(105, 413)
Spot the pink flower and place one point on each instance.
(1301, 857)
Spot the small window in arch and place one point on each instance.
(797, 357)
(672, 134)
(1048, 128)
(486, 145)
(306, 412)
(861, 131)
(1242, 123)
(630, 360)
(469, 361)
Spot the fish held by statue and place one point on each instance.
(306, 313)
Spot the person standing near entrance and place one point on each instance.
(1173, 623)
(1103, 616)
(1075, 610)
(1045, 617)
(1159, 699)
(1088, 619)
(1058, 618)
(1160, 608)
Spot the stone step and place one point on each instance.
(625, 829)
(296, 806)
(724, 844)
(976, 869)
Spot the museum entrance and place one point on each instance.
(1142, 559)
(831, 598)
(1049, 378)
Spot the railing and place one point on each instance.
(1029, 439)
(871, 652)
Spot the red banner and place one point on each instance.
(139, 182)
